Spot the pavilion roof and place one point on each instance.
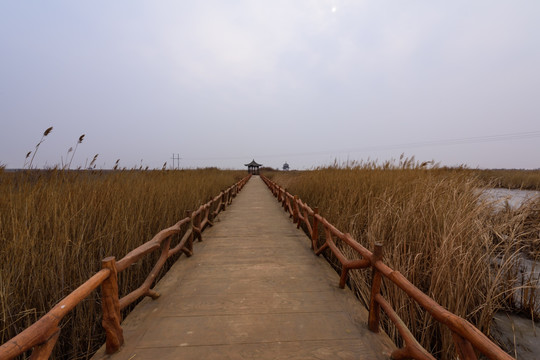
(253, 163)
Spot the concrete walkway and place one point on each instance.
(252, 290)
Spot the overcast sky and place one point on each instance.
(307, 82)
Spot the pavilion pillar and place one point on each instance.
(253, 167)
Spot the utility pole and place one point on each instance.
(175, 157)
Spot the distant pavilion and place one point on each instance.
(253, 167)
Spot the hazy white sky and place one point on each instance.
(222, 82)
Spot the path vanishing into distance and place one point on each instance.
(252, 290)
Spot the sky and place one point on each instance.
(307, 82)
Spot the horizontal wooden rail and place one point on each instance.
(40, 333)
(43, 334)
(466, 336)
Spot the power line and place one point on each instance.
(458, 141)
(419, 144)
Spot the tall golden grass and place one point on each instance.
(437, 231)
(56, 226)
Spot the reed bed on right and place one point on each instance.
(510, 178)
(437, 230)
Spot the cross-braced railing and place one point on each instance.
(466, 336)
(43, 334)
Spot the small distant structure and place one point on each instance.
(285, 167)
(253, 167)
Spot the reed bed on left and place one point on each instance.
(57, 225)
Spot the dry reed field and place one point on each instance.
(56, 226)
(510, 179)
(437, 231)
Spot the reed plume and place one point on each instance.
(45, 133)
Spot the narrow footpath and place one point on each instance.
(252, 290)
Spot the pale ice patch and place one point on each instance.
(514, 198)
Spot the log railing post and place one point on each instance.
(315, 230)
(199, 223)
(296, 212)
(223, 201)
(210, 212)
(43, 351)
(196, 225)
(463, 347)
(189, 242)
(376, 278)
(111, 307)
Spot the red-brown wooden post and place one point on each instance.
(43, 351)
(343, 276)
(315, 230)
(223, 201)
(296, 211)
(463, 347)
(231, 195)
(189, 242)
(196, 222)
(376, 278)
(111, 307)
(296, 219)
(210, 213)
(199, 223)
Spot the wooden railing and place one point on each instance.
(43, 334)
(466, 336)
